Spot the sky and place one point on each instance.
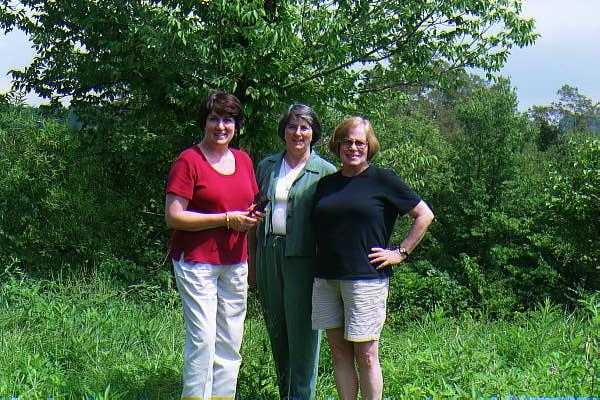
(567, 53)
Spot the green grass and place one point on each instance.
(96, 339)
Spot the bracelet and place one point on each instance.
(227, 219)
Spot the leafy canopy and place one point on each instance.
(164, 55)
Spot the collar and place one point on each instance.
(312, 164)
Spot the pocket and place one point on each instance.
(192, 271)
(238, 276)
(177, 269)
(370, 292)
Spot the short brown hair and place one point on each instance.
(299, 110)
(341, 132)
(223, 104)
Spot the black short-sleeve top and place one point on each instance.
(351, 215)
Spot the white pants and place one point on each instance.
(214, 308)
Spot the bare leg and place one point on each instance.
(342, 353)
(369, 369)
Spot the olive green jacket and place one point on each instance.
(300, 238)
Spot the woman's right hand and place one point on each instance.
(241, 221)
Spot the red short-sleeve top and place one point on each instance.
(209, 191)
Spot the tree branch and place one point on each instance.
(404, 84)
(395, 85)
(338, 67)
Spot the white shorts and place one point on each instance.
(356, 305)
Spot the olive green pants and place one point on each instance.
(285, 290)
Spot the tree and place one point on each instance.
(135, 71)
(481, 232)
(492, 137)
(572, 207)
(572, 111)
(160, 56)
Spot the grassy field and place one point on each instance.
(96, 339)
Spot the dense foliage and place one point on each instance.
(134, 71)
(516, 201)
(62, 206)
(162, 56)
(515, 224)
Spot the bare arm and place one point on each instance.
(422, 217)
(177, 217)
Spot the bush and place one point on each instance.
(62, 202)
(420, 288)
(570, 218)
(514, 225)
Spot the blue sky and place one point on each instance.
(567, 53)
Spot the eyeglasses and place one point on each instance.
(348, 143)
(227, 121)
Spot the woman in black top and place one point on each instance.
(354, 214)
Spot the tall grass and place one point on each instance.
(94, 338)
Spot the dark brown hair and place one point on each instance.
(223, 104)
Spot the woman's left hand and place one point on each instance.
(258, 215)
(384, 257)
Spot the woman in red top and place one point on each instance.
(209, 192)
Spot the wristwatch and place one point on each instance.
(402, 251)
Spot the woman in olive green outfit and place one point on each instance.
(285, 251)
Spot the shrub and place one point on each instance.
(570, 218)
(420, 288)
(62, 200)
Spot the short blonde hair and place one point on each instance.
(341, 132)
